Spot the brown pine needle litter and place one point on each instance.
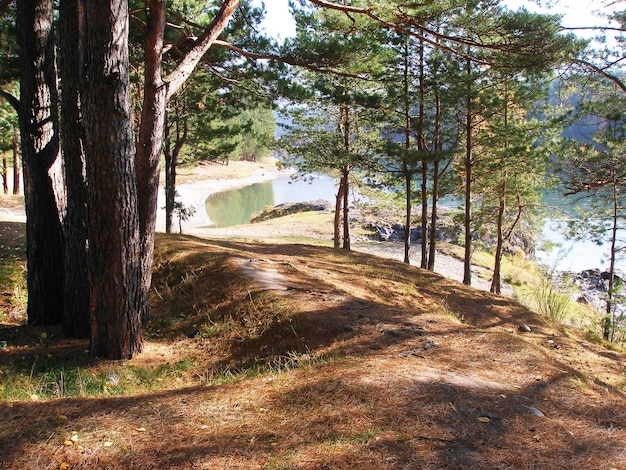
(314, 359)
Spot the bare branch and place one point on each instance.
(13, 101)
(602, 72)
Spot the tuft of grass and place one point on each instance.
(259, 367)
(13, 280)
(594, 336)
(447, 310)
(63, 382)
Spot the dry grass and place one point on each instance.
(351, 361)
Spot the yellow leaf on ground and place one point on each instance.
(484, 419)
(64, 466)
(68, 443)
(62, 417)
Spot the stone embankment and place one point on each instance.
(593, 285)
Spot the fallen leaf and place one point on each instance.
(484, 419)
(74, 437)
(107, 444)
(141, 429)
(62, 417)
(68, 443)
(64, 466)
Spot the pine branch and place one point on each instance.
(186, 66)
(285, 60)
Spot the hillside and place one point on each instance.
(293, 356)
(267, 349)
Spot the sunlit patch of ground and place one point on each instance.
(312, 358)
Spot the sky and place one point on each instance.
(278, 21)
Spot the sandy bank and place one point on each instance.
(211, 179)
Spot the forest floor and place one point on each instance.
(267, 349)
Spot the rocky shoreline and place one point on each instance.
(593, 285)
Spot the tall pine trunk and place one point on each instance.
(5, 173)
(608, 332)
(76, 295)
(171, 163)
(407, 216)
(16, 165)
(346, 210)
(156, 95)
(43, 195)
(467, 221)
(421, 147)
(337, 219)
(432, 246)
(495, 279)
(407, 172)
(114, 245)
(424, 216)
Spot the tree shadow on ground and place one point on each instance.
(395, 380)
(363, 416)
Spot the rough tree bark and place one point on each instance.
(43, 195)
(114, 246)
(76, 296)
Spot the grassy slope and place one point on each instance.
(350, 361)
